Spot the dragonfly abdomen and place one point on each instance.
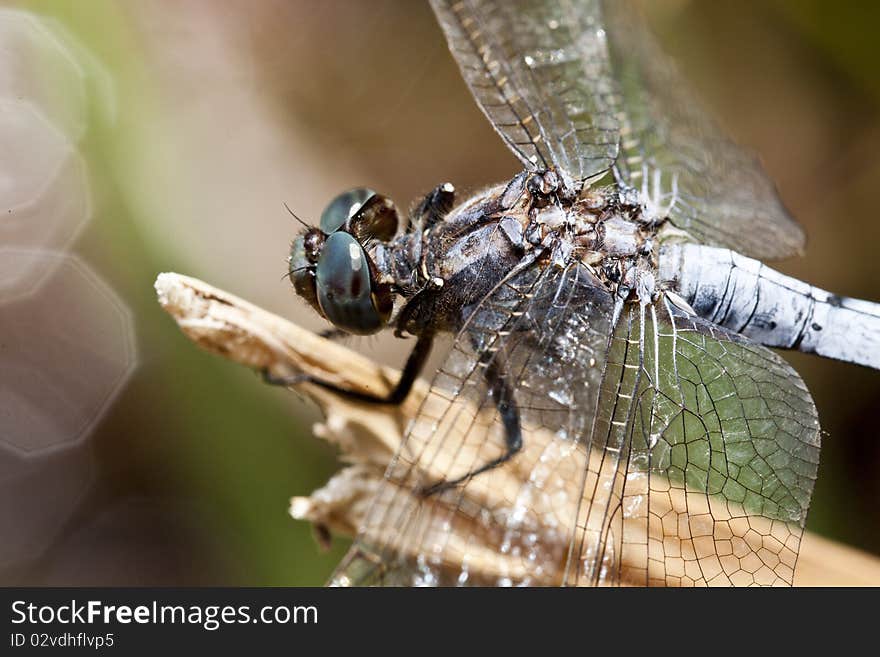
(746, 296)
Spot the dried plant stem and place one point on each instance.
(368, 435)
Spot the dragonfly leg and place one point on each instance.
(435, 205)
(411, 371)
(505, 403)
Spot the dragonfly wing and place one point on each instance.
(686, 457)
(540, 72)
(511, 524)
(722, 195)
(704, 456)
(582, 85)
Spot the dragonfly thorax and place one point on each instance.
(535, 221)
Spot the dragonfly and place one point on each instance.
(609, 410)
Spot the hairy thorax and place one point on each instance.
(529, 223)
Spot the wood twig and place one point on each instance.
(368, 435)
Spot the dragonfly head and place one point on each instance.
(331, 269)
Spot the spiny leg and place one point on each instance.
(411, 371)
(435, 205)
(502, 393)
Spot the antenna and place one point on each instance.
(289, 274)
(293, 214)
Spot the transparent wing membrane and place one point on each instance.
(675, 454)
(715, 190)
(540, 72)
(582, 85)
(704, 454)
(511, 524)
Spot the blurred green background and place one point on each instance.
(204, 117)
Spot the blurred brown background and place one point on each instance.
(195, 121)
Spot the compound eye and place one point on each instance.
(342, 208)
(344, 286)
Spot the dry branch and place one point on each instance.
(368, 435)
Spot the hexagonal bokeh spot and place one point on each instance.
(44, 193)
(68, 349)
(42, 64)
(37, 498)
(33, 150)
